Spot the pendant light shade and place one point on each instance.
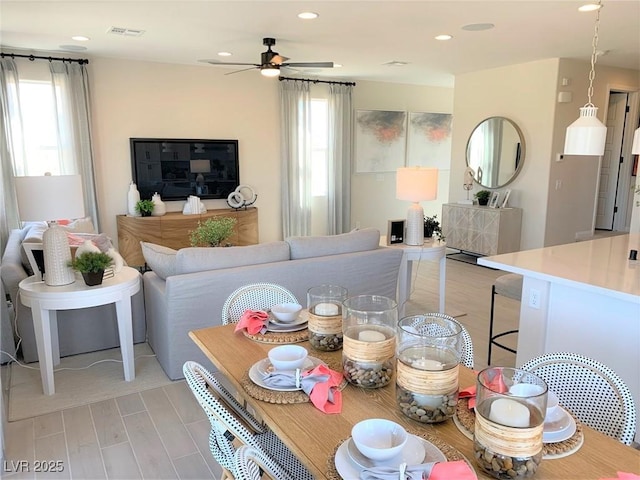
(587, 135)
(635, 149)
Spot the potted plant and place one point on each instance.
(91, 265)
(483, 197)
(213, 232)
(144, 207)
(431, 226)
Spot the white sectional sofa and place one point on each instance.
(187, 288)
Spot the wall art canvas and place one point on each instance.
(429, 142)
(381, 138)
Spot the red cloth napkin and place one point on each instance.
(326, 396)
(496, 384)
(459, 470)
(255, 321)
(624, 476)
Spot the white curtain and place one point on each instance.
(295, 109)
(10, 129)
(71, 90)
(340, 128)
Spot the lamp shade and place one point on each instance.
(635, 148)
(200, 166)
(587, 135)
(416, 184)
(49, 197)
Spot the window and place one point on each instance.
(319, 147)
(39, 129)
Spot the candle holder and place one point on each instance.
(427, 365)
(324, 303)
(510, 410)
(369, 340)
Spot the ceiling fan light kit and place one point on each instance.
(271, 62)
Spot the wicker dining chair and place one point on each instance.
(231, 422)
(253, 464)
(590, 390)
(255, 296)
(467, 348)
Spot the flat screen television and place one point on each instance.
(177, 168)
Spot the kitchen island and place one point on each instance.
(584, 298)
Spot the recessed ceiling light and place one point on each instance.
(443, 37)
(73, 48)
(80, 38)
(225, 54)
(590, 7)
(477, 27)
(308, 15)
(395, 63)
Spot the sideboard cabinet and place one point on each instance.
(172, 230)
(481, 230)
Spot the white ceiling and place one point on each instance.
(360, 35)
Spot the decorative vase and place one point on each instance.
(93, 278)
(86, 247)
(118, 261)
(159, 208)
(133, 197)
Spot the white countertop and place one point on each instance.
(602, 265)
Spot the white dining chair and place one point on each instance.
(230, 422)
(252, 464)
(255, 296)
(590, 390)
(467, 348)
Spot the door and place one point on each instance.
(611, 161)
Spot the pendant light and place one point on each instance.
(587, 135)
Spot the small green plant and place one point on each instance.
(213, 232)
(89, 262)
(483, 196)
(144, 207)
(432, 226)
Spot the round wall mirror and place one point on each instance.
(495, 152)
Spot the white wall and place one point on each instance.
(138, 99)
(374, 194)
(524, 93)
(527, 94)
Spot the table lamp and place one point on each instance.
(416, 184)
(50, 198)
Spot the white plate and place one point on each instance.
(303, 317)
(285, 328)
(259, 369)
(348, 469)
(559, 430)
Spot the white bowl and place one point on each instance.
(379, 439)
(287, 357)
(286, 312)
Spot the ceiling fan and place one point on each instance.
(271, 62)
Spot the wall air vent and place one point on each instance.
(127, 32)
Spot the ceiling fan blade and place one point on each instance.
(242, 70)
(309, 64)
(215, 62)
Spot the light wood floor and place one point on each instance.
(163, 433)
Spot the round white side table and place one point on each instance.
(45, 300)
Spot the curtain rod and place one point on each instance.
(31, 58)
(352, 84)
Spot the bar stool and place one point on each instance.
(509, 286)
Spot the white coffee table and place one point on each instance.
(431, 250)
(45, 300)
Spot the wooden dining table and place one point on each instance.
(313, 435)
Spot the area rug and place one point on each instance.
(101, 381)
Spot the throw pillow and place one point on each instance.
(162, 260)
(320, 246)
(199, 259)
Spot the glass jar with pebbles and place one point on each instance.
(427, 365)
(510, 409)
(324, 303)
(369, 343)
